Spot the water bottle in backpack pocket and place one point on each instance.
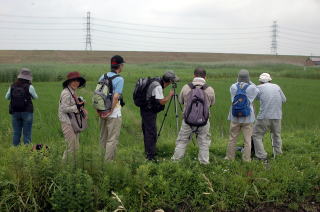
(241, 103)
(103, 94)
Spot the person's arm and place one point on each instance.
(8, 95)
(182, 94)
(283, 97)
(115, 100)
(33, 93)
(118, 87)
(252, 93)
(167, 98)
(212, 97)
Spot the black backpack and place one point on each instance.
(20, 98)
(140, 91)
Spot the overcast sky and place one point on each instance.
(228, 26)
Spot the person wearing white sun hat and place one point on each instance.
(269, 118)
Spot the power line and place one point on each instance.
(178, 33)
(176, 27)
(38, 23)
(48, 17)
(299, 30)
(26, 28)
(174, 38)
(299, 40)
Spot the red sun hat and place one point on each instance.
(75, 75)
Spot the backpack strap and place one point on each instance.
(204, 87)
(110, 85)
(244, 88)
(191, 85)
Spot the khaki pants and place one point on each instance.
(203, 139)
(260, 128)
(72, 140)
(235, 129)
(109, 136)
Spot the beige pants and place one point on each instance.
(203, 139)
(72, 140)
(235, 129)
(260, 128)
(109, 136)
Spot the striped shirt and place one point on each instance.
(271, 98)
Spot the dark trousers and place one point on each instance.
(149, 129)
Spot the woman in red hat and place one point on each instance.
(70, 103)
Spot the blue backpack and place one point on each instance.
(241, 104)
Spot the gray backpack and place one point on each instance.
(197, 108)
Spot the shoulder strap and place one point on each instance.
(204, 87)
(26, 89)
(105, 76)
(246, 86)
(114, 76)
(191, 85)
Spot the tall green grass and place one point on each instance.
(56, 72)
(40, 181)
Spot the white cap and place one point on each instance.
(265, 77)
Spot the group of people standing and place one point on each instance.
(270, 96)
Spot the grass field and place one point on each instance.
(31, 181)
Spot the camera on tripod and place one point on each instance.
(176, 103)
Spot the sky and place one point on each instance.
(219, 26)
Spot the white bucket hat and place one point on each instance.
(265, 77)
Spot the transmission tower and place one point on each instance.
(88, 36)
(274, 43)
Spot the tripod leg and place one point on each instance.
(176, 112)
(164, 118)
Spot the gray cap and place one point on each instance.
(243, 76)
(170, 76)
(25, 73)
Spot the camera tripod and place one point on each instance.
(176, 103)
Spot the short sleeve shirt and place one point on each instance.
(117, 84)
(157, 92)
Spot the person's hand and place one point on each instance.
(171, 93)
(104, 115)
(80, 105)
(85, 112)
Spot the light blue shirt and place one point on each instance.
(32, 92)
(271, 98)
(117, 82)
(252, 91)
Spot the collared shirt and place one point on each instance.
(66, 105)
(32, 92)
(197, 81)
(271, 98)
(117, 84)
(252, 91)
